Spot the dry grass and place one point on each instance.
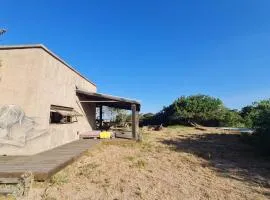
(7, 197)
(175, 163)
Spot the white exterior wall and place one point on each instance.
(34, 80)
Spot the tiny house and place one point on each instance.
(45, 102)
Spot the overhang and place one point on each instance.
(107, 100)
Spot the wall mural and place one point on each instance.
(16, 128)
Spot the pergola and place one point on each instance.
(101, 100)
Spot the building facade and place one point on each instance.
(35, 87)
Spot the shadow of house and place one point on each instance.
(227, 155)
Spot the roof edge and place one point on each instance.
(108, 96)
(41, 46)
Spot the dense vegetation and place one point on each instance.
(257, 116)
(210, 111)
(201, 109)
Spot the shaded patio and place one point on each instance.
(100, 100)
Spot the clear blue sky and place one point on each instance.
(154, 50)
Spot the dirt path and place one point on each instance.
(176, 163)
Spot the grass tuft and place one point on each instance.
(59, 178)
(87, 170)
(141, 164)
(130, 158)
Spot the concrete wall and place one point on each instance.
(34, 80)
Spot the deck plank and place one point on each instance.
(45, 164)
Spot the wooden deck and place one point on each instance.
(124, 135)
(45, 164)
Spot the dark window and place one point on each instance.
(62, 115)
(55, 118)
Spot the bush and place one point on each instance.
(146, 119)
(232, 118)
(201, 109)
(245, 113)
(261, 123)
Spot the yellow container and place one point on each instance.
(105, 135)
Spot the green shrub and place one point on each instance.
(201, 109)
(257, 116)
(232, 118)
(261, 124)
(59, 178)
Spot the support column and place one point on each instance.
(135, 122)
(100, 117)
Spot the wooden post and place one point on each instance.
(135, 122)
(100, 117)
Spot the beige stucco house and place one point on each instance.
(44, 102)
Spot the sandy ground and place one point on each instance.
(175, 163)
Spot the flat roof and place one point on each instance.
(108, 100)
(41, 46)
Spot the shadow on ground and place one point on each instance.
(227, 155)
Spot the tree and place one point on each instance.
(246, 113)
(122, 117)
(146, 119)
(259, 119)
(232, 119)
(201, 109)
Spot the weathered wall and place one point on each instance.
(34, 80)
